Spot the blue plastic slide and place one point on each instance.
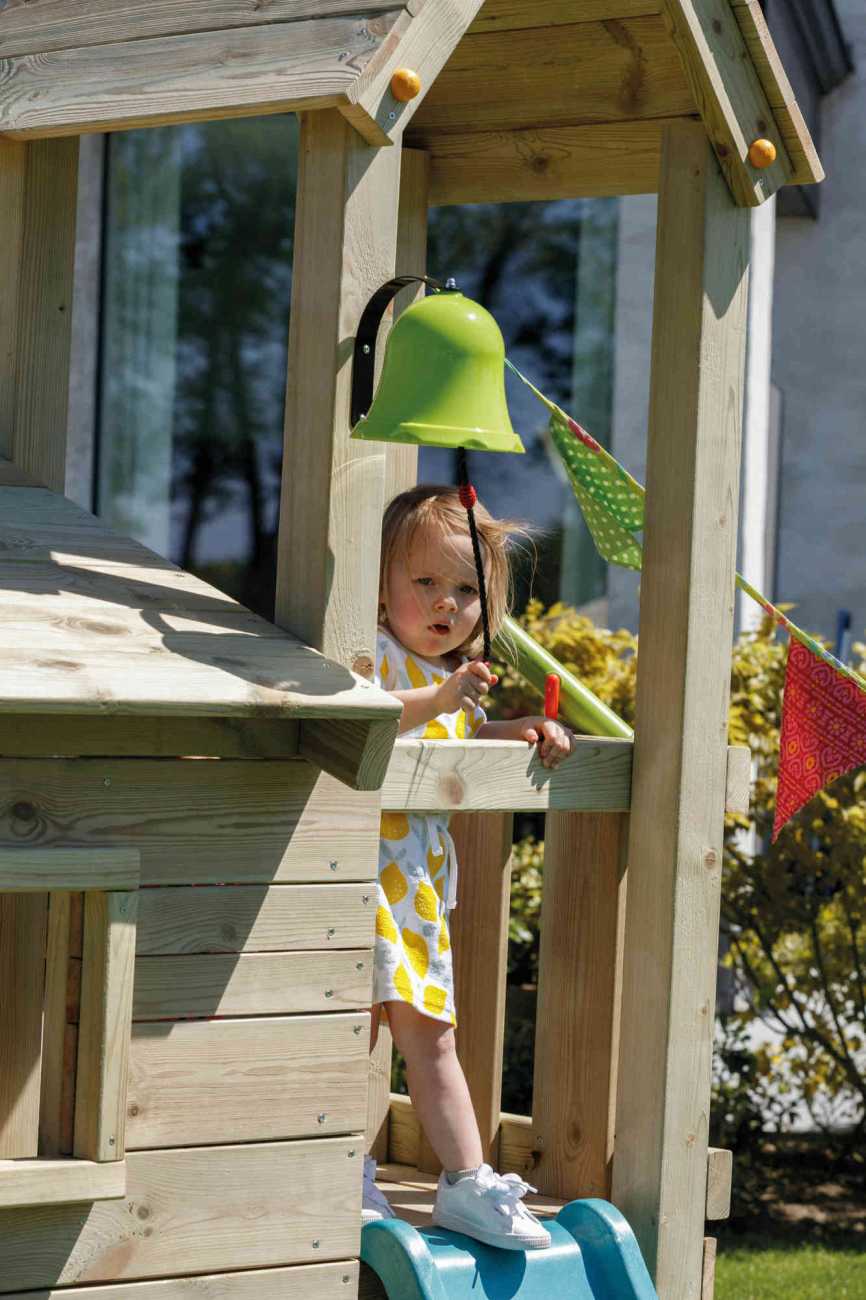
(593, 1256)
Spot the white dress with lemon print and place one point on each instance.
(417, 864)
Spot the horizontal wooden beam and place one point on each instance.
(586, 73)
(506, 775)
(297, 1282)
(729, 95)
(519, 1152)
(59, 1182)
(208, 74)
(37, 26)
(37, 870)
(356, 753)
(505, 15)
(556, 162)
(83, 735)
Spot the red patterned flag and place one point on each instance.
(823, 730)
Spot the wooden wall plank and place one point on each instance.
(501, 775)
(503, 15)
(250, 1080)
(36, 26)
(22, 978)
(332, 486)
(208, 74)
(687, 601)
(107, 967)
(729, 95)
(479, 935)
(579, 986)
(193, 1211)
(251, 984)
(587, 73)
(551, 162)
(196, 822)
(13, 159)
(31, 869)
(44, 311)
(27, 735)
(249, 918)
(337, 1281)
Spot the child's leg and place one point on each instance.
(437, 1086)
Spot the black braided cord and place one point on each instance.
(463, 481)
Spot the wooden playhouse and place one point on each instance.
(190, 796)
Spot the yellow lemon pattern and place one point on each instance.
(413, 960)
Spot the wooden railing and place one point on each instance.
(566, 1146)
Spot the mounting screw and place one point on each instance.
(365, 898)
(351, 1153)
(366, 349)
(333, 866)
(322, 1117)
(359, 965)
(346, 1277)
(106, 780)
(331, 932)
(316, 1244)
(329, 993)
(356, 1029)
(111, 1142)
(392, 116)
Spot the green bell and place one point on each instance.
(443, 378)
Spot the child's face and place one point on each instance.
(432, 599)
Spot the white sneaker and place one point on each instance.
(488, 1206)
(375, 1203)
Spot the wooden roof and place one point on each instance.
(93, 624)
(570, 96)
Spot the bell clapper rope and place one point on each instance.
(468, 498)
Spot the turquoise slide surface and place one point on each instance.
(593, 1256)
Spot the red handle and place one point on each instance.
(551, 696)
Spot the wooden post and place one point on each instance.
(333, 487)
(579, 983)
(401, 471)
(678, 790)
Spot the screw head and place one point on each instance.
(333, 866)
(366, 349)
(351, 1153)
(329, 993)
(111, 1141)
(322, 1117)
(106, 780)
(356, 1029)
(365, 898)
(392, 116)
(331, 932)
(359, 965)
(316, 1244)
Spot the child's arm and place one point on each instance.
(557, 742)
(460, 690)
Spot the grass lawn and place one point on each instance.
(756, 1271)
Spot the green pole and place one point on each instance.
(577, 704)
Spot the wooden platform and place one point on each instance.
(411, 1194)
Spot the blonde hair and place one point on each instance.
(434, 505)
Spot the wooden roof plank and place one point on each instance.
(592, 72)
(37, 26)
(789, 119)
(729, 95)
(421, 39)
(503, 15)
(209, 74)
(97, 625)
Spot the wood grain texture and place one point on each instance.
(207, 74)
(807, 168)
(729, 95)
(101, 643)
(479, 934)
(503, 15)
(302, 1282)
(29, 870)
(37, 26)
(57, 1182)
(687, 600)
(579, 987)
(708, 1269)
(422, 40)
(255, 1080)
(551, 162)
(13, 160)
(22, 978)
(584, 73)
(55, 1008)
(196, 822)
(251, 984)
(24, 735)
(505, 775)
(44, 311)
(357, 753)
(248, 918)
(107, 967)
(193, 1211)
(332, 486)
(720, 1168)
(738, 781)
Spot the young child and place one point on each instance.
(429, 637)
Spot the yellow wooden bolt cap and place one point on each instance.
(762, 153)
(405, 85)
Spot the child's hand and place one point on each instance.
(465, 687)
(556, 741)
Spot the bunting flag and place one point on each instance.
(823, 733)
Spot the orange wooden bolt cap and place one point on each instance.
(405, 85)
(762, 153)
